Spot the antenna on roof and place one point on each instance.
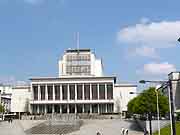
(77, 38)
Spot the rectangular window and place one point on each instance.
(94, 92)
(102, 108)
(86, 91)
(110, 108)
(72, 92)
(79, 92)
(42, 88)
(50, 92)
(101, 91)
(57, 92)
(64, 92)
(109, 91)
(35, 92)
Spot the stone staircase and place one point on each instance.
(55, 127)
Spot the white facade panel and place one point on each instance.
(21, 97)
(122, 96)
(175, 76)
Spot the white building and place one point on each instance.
(80, 62)
(80, 87)
(21, 96)
(6, 93)
(6, 89)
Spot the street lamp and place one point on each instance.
(168, 84)
(157, 98)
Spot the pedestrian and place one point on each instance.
(126, 132)
(122, 131)
(11, 120)
(145, 131)
(8, 120)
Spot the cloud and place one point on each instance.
(145, 52)
(157, 69)
(162, 34)
(11, 80)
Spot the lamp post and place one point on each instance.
(157, 104)
(167, 84)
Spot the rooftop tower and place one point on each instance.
(80, 62)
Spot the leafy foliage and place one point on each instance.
(1, 108)
(147, 102)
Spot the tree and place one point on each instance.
(146, 103)
(1, 108)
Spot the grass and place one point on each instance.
(167, 130)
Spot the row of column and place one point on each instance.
(68, 92)
(106, 108)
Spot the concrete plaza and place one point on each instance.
(89, 127)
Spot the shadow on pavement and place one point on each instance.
(134, 126)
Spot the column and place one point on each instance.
(68, 93)
(98, 90)
(106, 108)
(45, 109)
(60, 107)
(38, 92)
(38, 109)
(105, 91)
(61, 92)
(46, 92)
(82, 108)
(90, 108)
(32, 92)
(75, 92)
(52, 108)
(98, 108)
(75, 108)
(90, 91)
(67, 108)
(53, 92)
(83, 92)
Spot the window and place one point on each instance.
(35, 92)
(72, 92)
(86, 91)
(109, 91)
(42, 88)
(64, 92)
(101, 91)
(79, 92)
(94, 92)
(50, 92)
(57, 92)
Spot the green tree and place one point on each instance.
(1, 108)
(146, 103)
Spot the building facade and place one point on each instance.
(6, 95)
(20, 101)
(80, 87)
(175, 81)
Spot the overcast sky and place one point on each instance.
(135, 39)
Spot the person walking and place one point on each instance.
(122, 131)
(126, 132)
(145, 131)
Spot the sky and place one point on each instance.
(135, 39)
